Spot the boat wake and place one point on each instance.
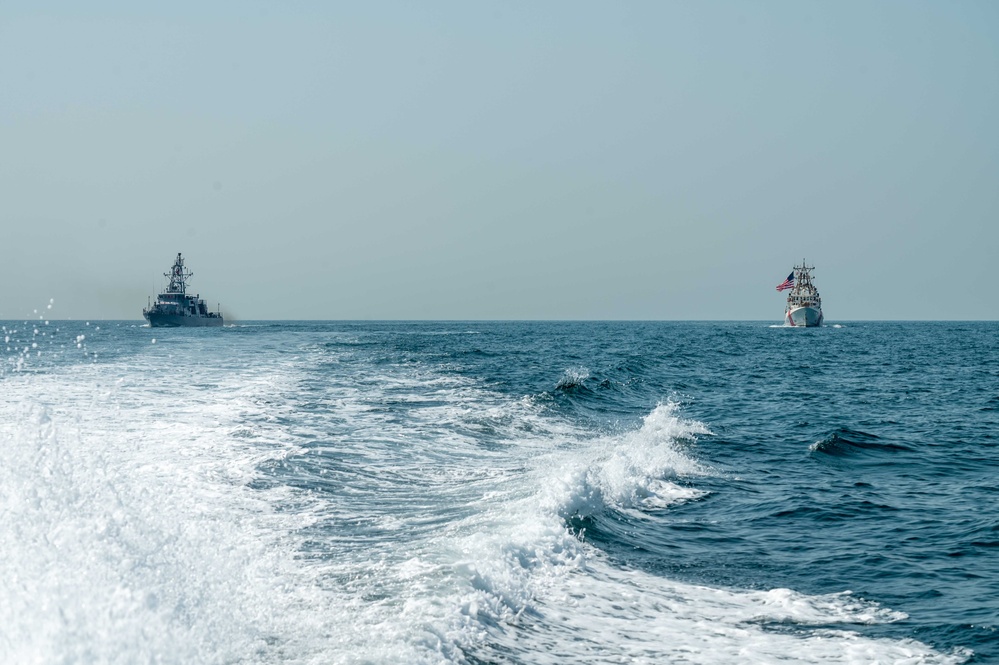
(323, 505)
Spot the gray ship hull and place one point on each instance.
(160, 320)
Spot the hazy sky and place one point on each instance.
(501, 160)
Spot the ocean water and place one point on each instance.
(454, 492)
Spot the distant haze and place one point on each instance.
(501, 160)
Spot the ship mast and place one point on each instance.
(178, 276)
(803, 274)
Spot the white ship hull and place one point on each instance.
(805, 317)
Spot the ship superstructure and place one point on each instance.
(174, 307)
(804, 305)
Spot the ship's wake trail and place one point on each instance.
(130, 534)
(291, 511)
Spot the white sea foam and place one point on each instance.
(626, 472)
(609, 615)
(136, 529)
(129, 533)
(573, 378)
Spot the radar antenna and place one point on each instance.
(178, 276)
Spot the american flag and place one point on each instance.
(787, 283)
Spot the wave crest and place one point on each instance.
(573, 380)
(843, 442)
(634, 472)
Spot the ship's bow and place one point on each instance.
(805, 317)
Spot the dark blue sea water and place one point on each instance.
(470, 492)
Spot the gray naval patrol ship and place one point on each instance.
(174, 307)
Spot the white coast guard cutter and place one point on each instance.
(804, 305)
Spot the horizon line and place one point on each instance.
(242, 320)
